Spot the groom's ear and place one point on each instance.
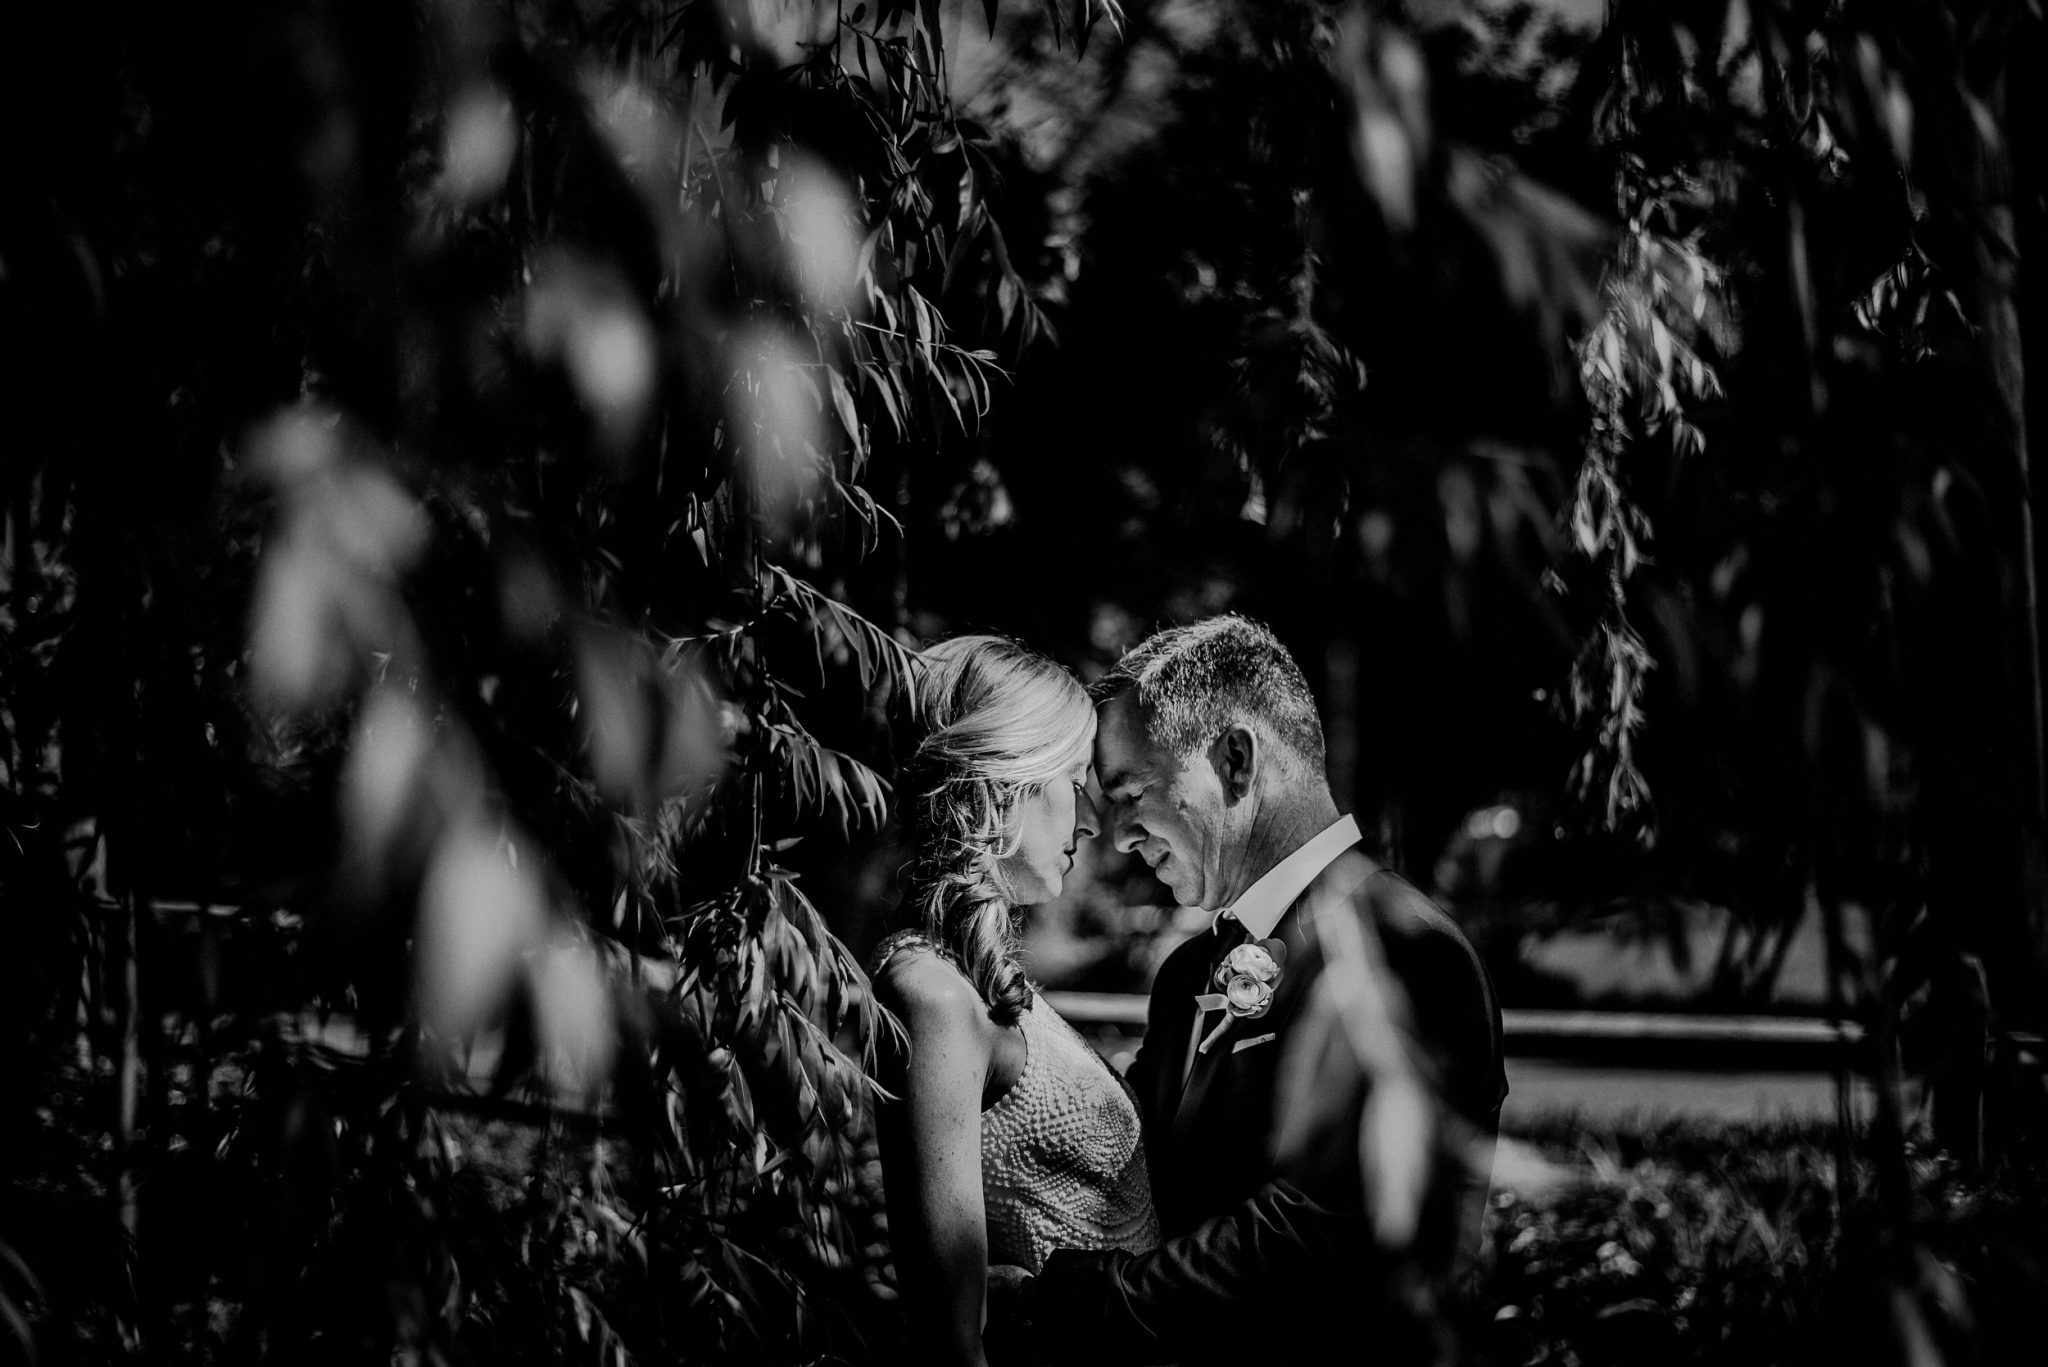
(1237, 757)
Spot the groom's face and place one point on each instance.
(1170, 811)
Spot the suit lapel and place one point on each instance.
(1208, 1067)
(1197, 1087)
(1170, 1083)
(1295, 930)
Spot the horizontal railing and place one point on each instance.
(1770, 1042)
(1672, 1039)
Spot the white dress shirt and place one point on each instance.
(1260, 910)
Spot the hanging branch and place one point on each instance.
(1640, 371)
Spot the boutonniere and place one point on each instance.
(1247, 975)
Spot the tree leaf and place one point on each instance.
(849, 416)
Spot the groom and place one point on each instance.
(1210, 756)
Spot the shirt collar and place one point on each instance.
(1267, 900)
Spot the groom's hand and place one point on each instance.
(1006, 1334)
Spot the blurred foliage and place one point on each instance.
(1681, 1242)
(429, 639)
(473, 469)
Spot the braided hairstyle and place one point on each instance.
(996, 723)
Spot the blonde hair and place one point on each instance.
(997, 722)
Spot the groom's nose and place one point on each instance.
(1124, 833)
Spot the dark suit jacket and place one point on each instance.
(1261, 1262)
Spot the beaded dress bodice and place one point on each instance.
(1062, 1165)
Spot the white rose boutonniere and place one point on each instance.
(1247, 998)
(1247, 975)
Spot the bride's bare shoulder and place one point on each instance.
(921, 985)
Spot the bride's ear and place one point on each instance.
(1237, 755)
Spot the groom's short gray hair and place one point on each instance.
(1193, 681)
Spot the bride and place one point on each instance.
(1010, 1137)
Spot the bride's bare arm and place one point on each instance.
(931, 1156)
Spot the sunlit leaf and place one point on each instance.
(298, 651)
(1520, 1168)
(620, 704)
(777, 417)
(479, 138)
(370, 520)
(386, 763)
(849, 416)
(824, 231)
(296, 445)
(643, 134)
(480, 912)
(585, 318)
(573, 1016)
(1396, 1145)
